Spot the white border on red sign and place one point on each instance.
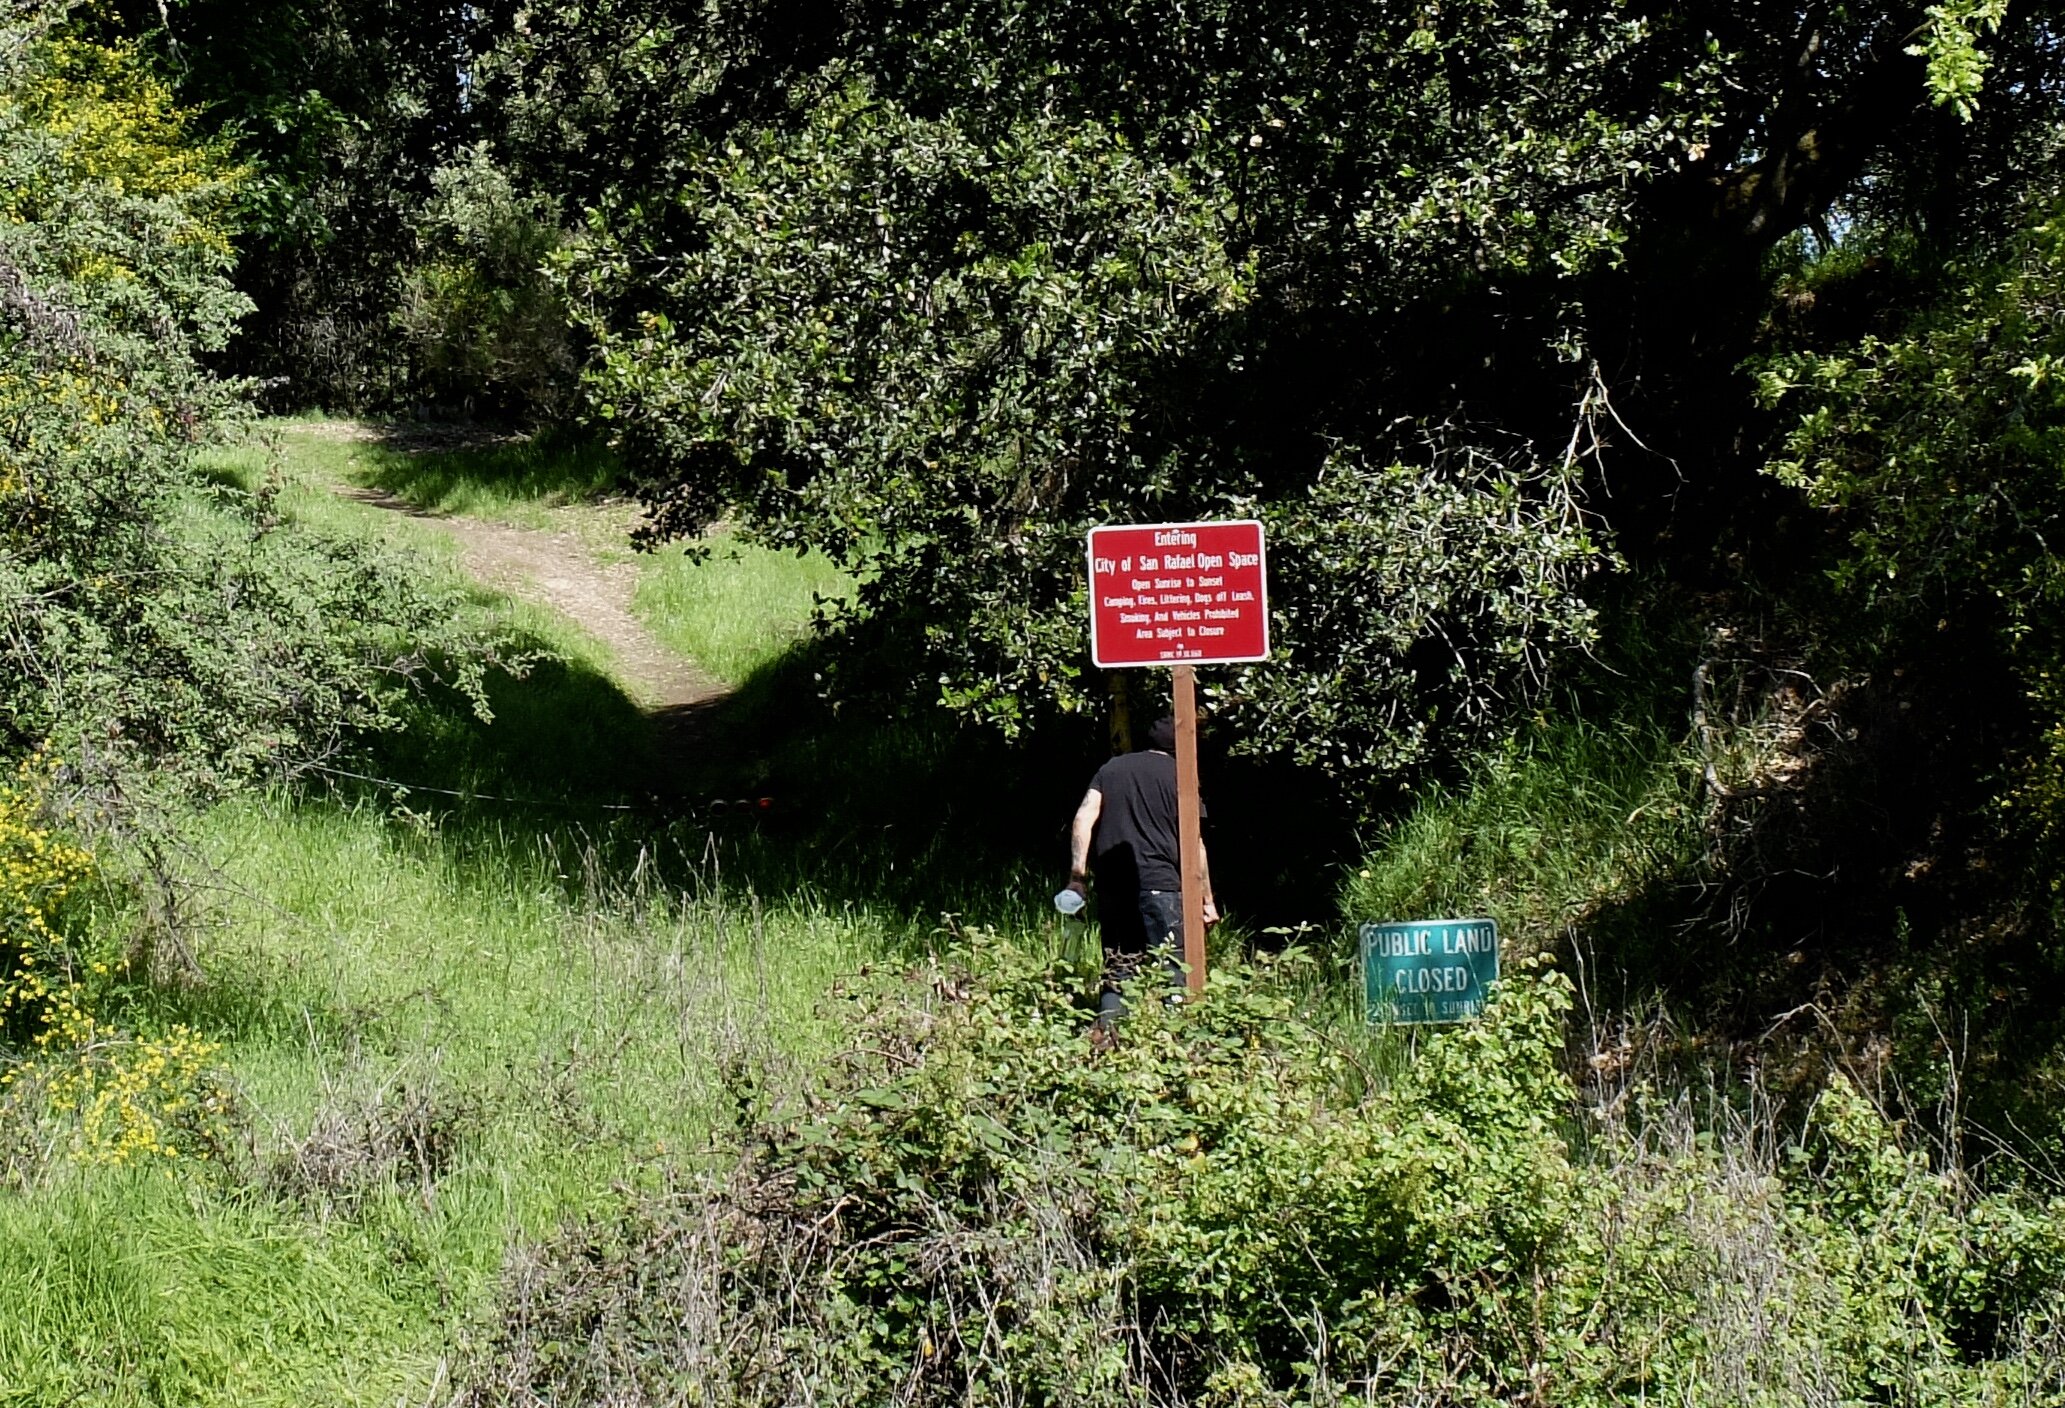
(1090, 565)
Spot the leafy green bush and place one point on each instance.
(1238, 1206)
(973, 1206)
(486, 329)
(1930, 449)
(147, 613)
(938, 342)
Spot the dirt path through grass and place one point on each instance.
(551, 569)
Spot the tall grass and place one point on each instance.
(456, 469)
(1562, 820)
(462, 997)
(740, 607)
(440, 1048)
(495, 480)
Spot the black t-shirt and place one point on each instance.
(1135, 841)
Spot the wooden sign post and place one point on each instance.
(1183, 595)
(1189, 827)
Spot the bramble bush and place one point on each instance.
(1240, 1206)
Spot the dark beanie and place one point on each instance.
(1162, 735)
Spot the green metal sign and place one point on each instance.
(1430, 970)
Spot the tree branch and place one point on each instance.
(1813, 157)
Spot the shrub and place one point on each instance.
(148, 615)
(1238, 1207)
(973, 1209)
(158, 630)
(486, 328)
(366, 1137)
(70, 1081)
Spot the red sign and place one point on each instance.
(1178, 594)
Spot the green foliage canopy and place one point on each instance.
(958, 300)
(936, 288)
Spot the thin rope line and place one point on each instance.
(478, 796)
(744, 805)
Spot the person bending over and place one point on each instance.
(1125, 832)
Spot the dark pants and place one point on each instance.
(1160, 935)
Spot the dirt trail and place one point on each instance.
(554, 570)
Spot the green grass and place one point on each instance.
(1575, 829)
(493, 480)
(735, 610)
(740, 608)
(571, 1022)
(454, 470)
(593, 717)
(1566, 818)
(555, 985)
